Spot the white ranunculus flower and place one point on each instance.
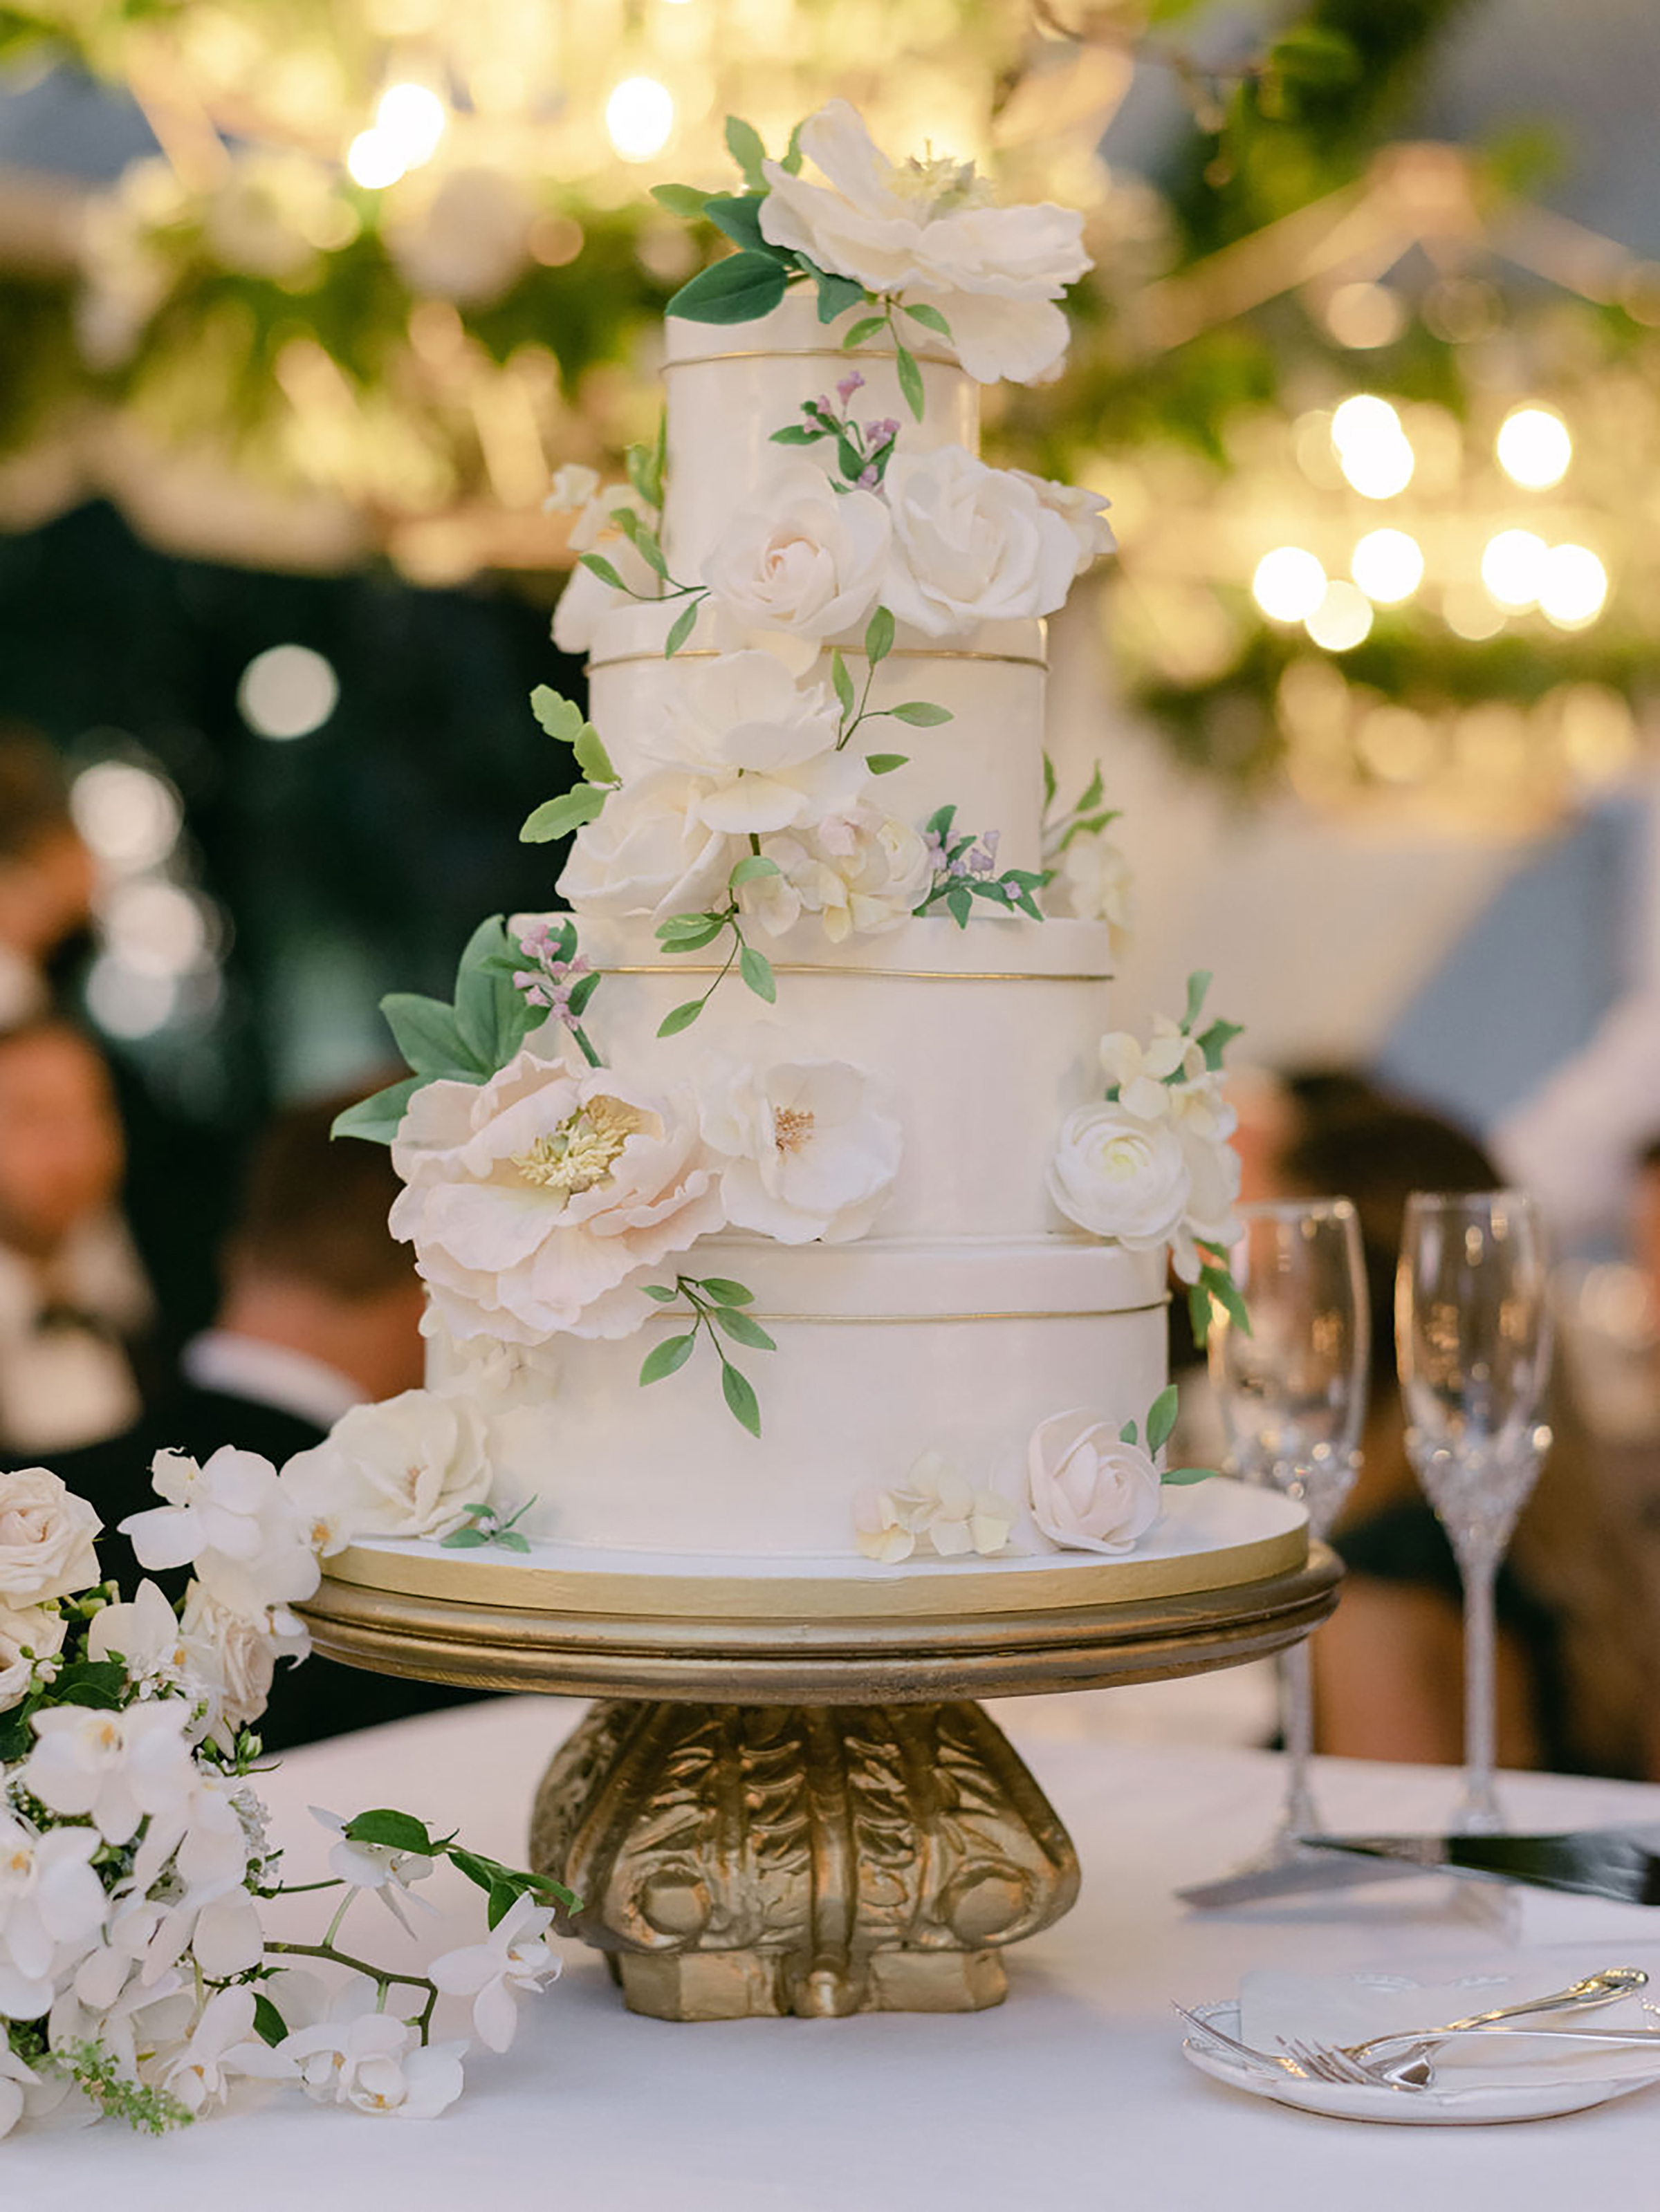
(409, 1466)
(586, 596)
(46, 1539)
(231, 1522)
(861, 873)
(767, 745)
(1090, 1491)
(802, 557)
(539, 1200)
(971, 544)
(1099, 885)
(1083, 511)
(811, 1147)
(928, 229)
(1120, 1177)
(651, 851)
(27, 1633)
(515, 1957)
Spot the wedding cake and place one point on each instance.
(785, 1197)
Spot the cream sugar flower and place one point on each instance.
(652, 851)
(586, 596)
(928, 230)
(768, 746)
(1090, 1491)
(537, 1202)
(935, 1505)
(971, 544)
(1083, 511)
(1099, 885)
(407, 1466)
(811, 1146)
(1142, 1072)
(861, 872)
(803, 557)
(1120, 1177)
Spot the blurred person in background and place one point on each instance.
(75, 1307)
(46, 874)
(1575, 1667)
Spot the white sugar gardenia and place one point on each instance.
(803, 556)
(46, 1539)
(537, 1202)
(27, 1636)
(652, 851)
(811, 1147)
(1120, 1177)
(860, 872)
(971, 544)
(768, 746)
(515, 1957)
(1142, 1072)
(409, 1466)
(935, 1505)
(929, 231)
(1090, 1491)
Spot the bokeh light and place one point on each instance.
(1513, 567)
(1289, 583)
(1387, 565)
(129, 817)
(410, 119)
(287, 691)
(1534, 447)
(1573, 587)
(1372, 449)
(640, 118)
(1343, 618)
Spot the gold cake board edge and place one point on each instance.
(934, 1593)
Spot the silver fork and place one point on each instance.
(1414, 2072)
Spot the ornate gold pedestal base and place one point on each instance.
(738, 1860)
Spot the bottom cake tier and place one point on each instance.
(884, 1353)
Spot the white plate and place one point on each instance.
(1480, 2105)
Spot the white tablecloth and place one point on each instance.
(1073, 2093)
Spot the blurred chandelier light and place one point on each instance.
(1289, 584)
(1513, 567)
(1373, 450)
(640, 118)
(1387, 565)
(1572, 585)
(1534, 447)
(1342, 619)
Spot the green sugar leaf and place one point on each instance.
(737, 216)
(735, 290)
(375, 1119)
(911, 380)
(1215, 1041)
(685, 200)
(511, 1540)
(791, 164)
(605, 571)
(681, 628)
(667, 1357)
(1129, 1433)
(1161, 1418)
(885, 764)
(878, 636)
(557, 818)
(1179, 1477)
(681, 1018)
(1093, 794)
(1050, 786)
(644, 473)
(427, 1033)
(843, 682)
(691, 941)
(725, 1293)
(661, 1293)
(960, 904)
(560, 717)
(756, 969)
(591, 758)
(491, 1012)
(753, 866)
(745, 145)
(865, 327)
(582, 990)
(836, 294)
(920, 714)
(741, 1398)
(930, 318)
(464, 1540)
(393, 1831)
(1225, 1291)
(1198, 984)
(798, 433)
(1198, 1312)
(743, 1329)
(269, 2024)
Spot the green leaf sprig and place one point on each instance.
(856, 709)
(484, 1525)
(963, 873)
(715, 1306)
(1087, 817)
(648, 545)
(863, 450)
(690, 933)
(564, 721)
(1161, 1427)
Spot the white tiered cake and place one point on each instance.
(880, 1178)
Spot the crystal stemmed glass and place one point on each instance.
(1473, 1339)
(1291, 1395)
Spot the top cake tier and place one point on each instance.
(730, 387)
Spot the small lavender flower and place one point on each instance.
(850, 383)
(881, 433)
(868, 477)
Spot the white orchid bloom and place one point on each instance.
(112, 1767)
(515, 1957)
(368, 2063)
(50, 1900)
(222, 2049)
(233, 1522)
(379, 1867)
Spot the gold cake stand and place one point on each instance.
(796, 1811)
(805, 1810)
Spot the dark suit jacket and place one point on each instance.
(317, 1698)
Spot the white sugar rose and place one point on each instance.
(1083, 511)
(767, 745)
(46, 1539)
(651, 851)
(1120, 1177)
(860, 872)
(809, 1147)
(26, 1634)
(928, 229)
(1090, 1491)
(409, 1466)
(971, 544)
(802, 558)
(537, 1201)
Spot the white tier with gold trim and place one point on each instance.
(886, 1349)
(985, 761)
(985, 1037)
(730, 387)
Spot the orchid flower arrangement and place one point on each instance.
(139, 1980)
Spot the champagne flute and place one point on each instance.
(1292, 1394)
(1473, 1340)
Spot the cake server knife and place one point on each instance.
(1621, 1863)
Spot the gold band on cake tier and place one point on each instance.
(848, 653)
(807, 353)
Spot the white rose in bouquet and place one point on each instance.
(409, 1466)
(1090, 1491)
(26, 1634)
(46, 1539)
(802, 558)
(651, 851)
(928, 230)
(971, 544)
(537, 1201)
(1120, 1177)
(809, 1147)
(767, 745)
